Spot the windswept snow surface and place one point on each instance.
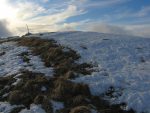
(120, 61)
(57, 106)
(6, 107)
(12, 63)
(33, 109)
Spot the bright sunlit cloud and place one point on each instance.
(6, 11)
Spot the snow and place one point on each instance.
(17, 81)
(6, 107)
(33, 109)
(43, 88)
(11, 63)
(93, 111)
(57, 105)
(120, 61)
(5, 95)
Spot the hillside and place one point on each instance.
(72, 72)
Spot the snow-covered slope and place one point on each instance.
(122, 62)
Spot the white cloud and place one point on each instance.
(55, 22)
(103, 3)
(98, 26)
(6, 11)
(129, 13)
(139, 30)
(3, 29)
(58, 17)
(29, 10)
(105, 28)
(35, 15)
(45, 1)
(143, 12)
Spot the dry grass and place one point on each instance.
(45, 102)
(25, 57)
(26, 91)
(17, 109)
(65, 90)
(53, 55)
(81, 109)
(18, 97)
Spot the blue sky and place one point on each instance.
(131, 17)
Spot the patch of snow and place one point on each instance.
(17, 81)
(5, 95)
(43, 88)
(38, 66)
(124, 59)
(33, 109)
(11, 63)
(57, 106)
(66, 50)
(18, 75)
(94, 111)
(5, 107)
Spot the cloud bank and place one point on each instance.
(102, 27)
(4, 32)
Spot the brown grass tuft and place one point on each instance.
(64, 89)
(81, 109)
(17, 97)
(44, 101)
(17, 109)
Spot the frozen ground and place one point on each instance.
(6, 107)
(11, 63)
(33, 109)
(122, 62)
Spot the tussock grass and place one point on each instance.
(81, 109)
(54, 55)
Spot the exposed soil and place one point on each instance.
(75, 96)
